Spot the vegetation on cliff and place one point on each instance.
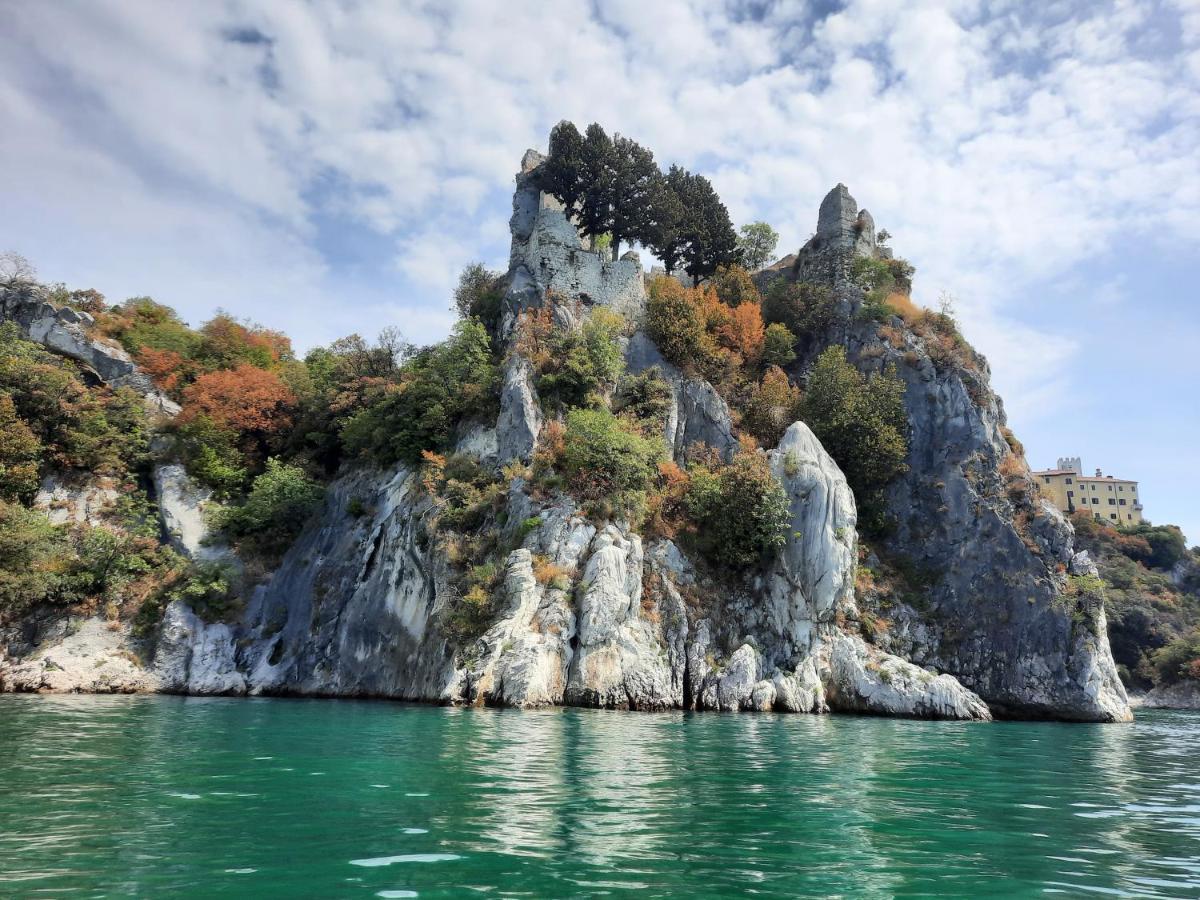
(1152, 597)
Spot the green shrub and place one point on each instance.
(1179, 660)
(674, 323)
(740, 511)
(805, 309)
(734, 286)
(581, 365)
(467, 491)
(78, 426)
(437, 388)
(35, 559)
(606, 461)
(645, 400)
(280, 501)
(862, 422)
(479, 295)
(210, 455)
(210, 589)
(773, 405)
(779, 345)
(20, 454)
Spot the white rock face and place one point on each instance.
(76, 498)
(520, 420)
(863, 679)
(95, 657)
(196, 657)
(618, 663)
(697, 414)
(181, 508)
(1185, 695)
(813, 577)
(65, 330)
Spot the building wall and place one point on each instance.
(1112, 499)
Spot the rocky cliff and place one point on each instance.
(361, 604)
(996, 604)
(358, 605)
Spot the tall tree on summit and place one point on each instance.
(712, 241)
(562, 174)
(597, 165)
(634, 177)
(667, 236)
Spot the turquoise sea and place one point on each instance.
(192, 797)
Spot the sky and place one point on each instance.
(329, 167)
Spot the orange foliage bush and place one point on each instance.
(903, 306)
(744, 332)
(166, 367)
(246, 399)
(227, 341)
(535, 328)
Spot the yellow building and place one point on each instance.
(1105, 497)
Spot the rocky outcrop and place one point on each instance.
(196, 657)
(92, 656)
(182, 510)
(361, 606)
(994, 605)
(863, 679)
(697, 414)
(76, 498)
(67, 331)
(369, 600)
(1184, 695)
(520, 420)
(548, 257)
(843, 232)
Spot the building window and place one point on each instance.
(1112, 502)
(1095, 501)
(1122, 501)
(1128, 516)
(1070, 493)
(1120, 487)
(1069, 481)
(1110, 488)
(1112, 515)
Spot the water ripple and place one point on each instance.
(111, 795)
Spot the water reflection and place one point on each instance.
(157, 796)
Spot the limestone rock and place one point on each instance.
(520, 420)
(65, 330)
(94, 657)
(617, 663)
(697, 415)
(76, 497)
(1184, 695)
(181, 508)
(862, 679)
(481, 442)
(196, 657)
(814, 573)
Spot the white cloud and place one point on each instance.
(1000, 144)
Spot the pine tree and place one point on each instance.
(712, 241)
(666, 236)
(562, 173)
(634, 179)
(597, 171)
